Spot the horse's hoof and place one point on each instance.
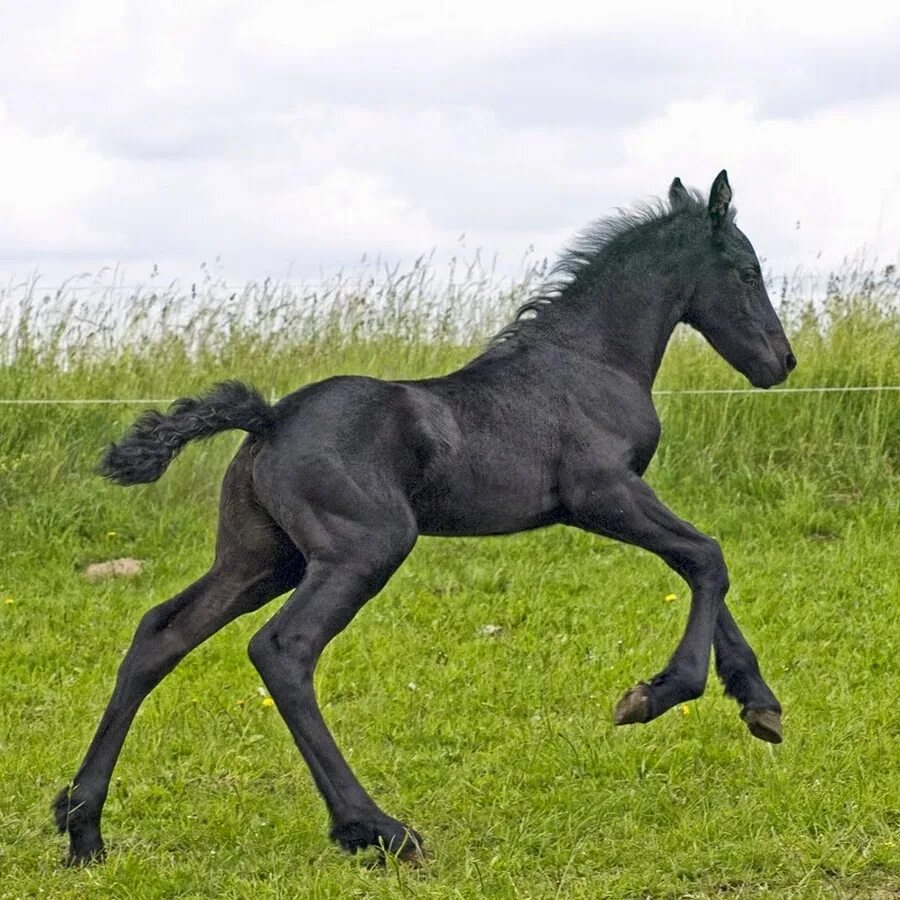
(764, 724)
(85, 843)
(413, 853)
(387, 836)
(634, 706)
(82, 858)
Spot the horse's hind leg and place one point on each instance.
(255, 562)
(347, 570)
(738, 669)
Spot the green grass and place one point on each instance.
(499, 749)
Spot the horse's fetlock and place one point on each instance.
(73, 805)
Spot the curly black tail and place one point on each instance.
(156, 439)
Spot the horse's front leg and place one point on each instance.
(738, 668)
(618, 504)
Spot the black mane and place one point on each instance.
(588, 252)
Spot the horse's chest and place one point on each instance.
(644, 447)
(614, 438)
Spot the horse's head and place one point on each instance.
(728, 303)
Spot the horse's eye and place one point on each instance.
(749, 276)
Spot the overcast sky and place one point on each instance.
(289, 138)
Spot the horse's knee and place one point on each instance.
(261, 649)
(271, 649)
(708, 567)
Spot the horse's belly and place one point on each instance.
(489, 508)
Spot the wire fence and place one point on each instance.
(755, 392)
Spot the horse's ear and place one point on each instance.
(719, 198)
(678, 195)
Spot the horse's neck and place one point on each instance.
(628, 333)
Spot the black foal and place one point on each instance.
(553, 424)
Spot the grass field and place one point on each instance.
(498, 747)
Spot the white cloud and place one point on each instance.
(826, 185)
(45, 183)
(299, 136)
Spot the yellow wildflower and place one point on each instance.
(670, 597)
(110, 534)
(9, 601)
(267, 702)
(685, 710)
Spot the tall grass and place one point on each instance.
(114, 341)
(821, 450)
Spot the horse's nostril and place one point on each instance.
(790, 362)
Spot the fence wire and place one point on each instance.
(694, 392)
